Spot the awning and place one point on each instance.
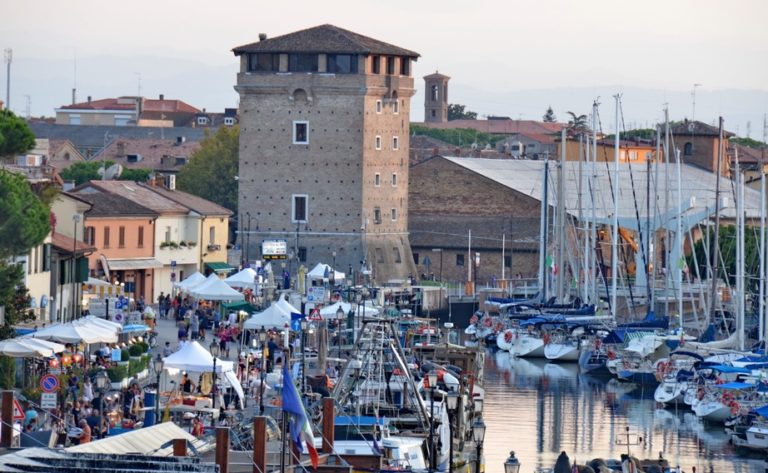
(146, 441)
(239, 305)
(219, 267)
(128, 264)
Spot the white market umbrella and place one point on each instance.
(193, 357)
(23, 347)
(245, 278)
(191, 281)
(92, 320)
(216, 290)
(71, 333)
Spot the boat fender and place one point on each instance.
(508, 336)
(488, 323)
(735, 408)
(727, 399)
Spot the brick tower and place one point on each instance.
(436, 98)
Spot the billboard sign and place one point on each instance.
(274, 249)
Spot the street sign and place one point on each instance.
(173, 277)
(49, 383)
(48, 401)
(18, 412)
(315, 316)
(316, 294)
(173, 263)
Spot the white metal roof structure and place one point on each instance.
(145, 441)
(698, 188)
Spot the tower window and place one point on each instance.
(394, 179)
(688, 149)
(378, 106)
(396, 252)
(435, 93)
(377, 179)
(395, 106)
(378, 142)
(390, 65)
(395, 143)
(405, 66)
(376, 64)
(433, 113)
(301, 133)
(302, 62)
(263, 62)
(393, 214)
(299, 210)
(376, 215)
(342, 63)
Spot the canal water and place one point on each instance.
(539, 409)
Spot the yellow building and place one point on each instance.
(630, 151)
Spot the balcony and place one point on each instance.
(214, 247)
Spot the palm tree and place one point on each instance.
(577, 125)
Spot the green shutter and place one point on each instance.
(82, 270)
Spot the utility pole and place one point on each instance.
(8, 55)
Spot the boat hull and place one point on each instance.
(527, 347)
(671, 392)
(561, 352)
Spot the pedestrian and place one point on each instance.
(160, 302)
(85, 435)
(194, 326)
(167, 350)
(197, 427)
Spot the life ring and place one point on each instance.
(487, 322)
(661, 368)
(735, 408)
(473, 320)
(727, 398)
(545, 338)
(611, 355)
(499, 327)
(719, 380)
(508, 336)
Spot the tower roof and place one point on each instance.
(696, 128)
(324, 39)
(436, 75)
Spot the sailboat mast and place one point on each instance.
(740, 252)
(716, 242)
(666, 210)
(593, 229)
(585, 226)
(652, 238)
(561, 220)
(615, 233)
(761, 303)
(543, 235)
(680, 237)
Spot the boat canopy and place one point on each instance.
(736, 385)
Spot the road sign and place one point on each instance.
(48, 401)
(173, 277)
(315, 316)
(49, 383)
(18, 412)
(173, 263)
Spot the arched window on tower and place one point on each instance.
(435, 92)
(688, 149)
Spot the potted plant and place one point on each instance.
(183, 244)
(164, 244)
(173, 245)
(192, 244)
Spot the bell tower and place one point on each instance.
(436, 98)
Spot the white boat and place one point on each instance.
(712, 410)
(755, 438)
(562, 348)
(527, 346)
(671, 391)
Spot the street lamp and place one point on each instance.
(339, 319)
(452, 402)
(262, 339)
(102, 381)
(512, 465)
(478, 435)
(158, 369)
(478, 405)
(75, 219)
(432, 379)
(333, 271)
(214, 353)
(303, 367)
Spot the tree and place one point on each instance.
(549, 116)
(15, 135)
(85, 171)
(211, 170)
(136, 175)
(577, 124)
(24, 218)
(456, 112)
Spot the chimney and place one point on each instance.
(262, 36)
(120, 149)
(162, 97)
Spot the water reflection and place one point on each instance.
(539, 409)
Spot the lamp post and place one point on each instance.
(303, 367)
(333, 271)
(478, 405)
(262, 339)
(512, 465)
(75, 220)
(102, 381)
(452, 402)
(214, 352)
(432, 378)
(339, 319)
(478, 435)
(158, 370)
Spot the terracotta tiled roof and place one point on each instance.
(136, 193)
(540, 137)
(193, 202)
(113, 205)
(324, 39)
(749, 155)
(170, 106)
(437, 75)
(101, 104)
(696, 128)
(158, 155)
(66, 244)
(500, 127)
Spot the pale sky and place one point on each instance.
(500, 54)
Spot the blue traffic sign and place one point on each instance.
(49, 383)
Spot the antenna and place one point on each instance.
(693, 95)
(74, 77)
(28, 109)
(8, 56)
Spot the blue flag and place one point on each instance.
(298, 422)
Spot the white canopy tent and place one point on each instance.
(23, 347)
(287, 306)
(274, 317)
(191, 281)
(193, 357)
(216, 290)
(330, 310)
(97, 282)
(323, 271)
(92, 320)
(245, 279)
(71, 333)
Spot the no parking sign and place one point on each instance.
(49, 383)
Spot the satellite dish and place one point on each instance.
(112, 172)
(474, 145)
